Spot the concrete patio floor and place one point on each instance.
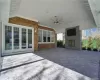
(84, 62)
(32, 67)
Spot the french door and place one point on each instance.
(17, 38)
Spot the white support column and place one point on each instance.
(1, 45)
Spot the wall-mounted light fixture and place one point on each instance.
(35, 30)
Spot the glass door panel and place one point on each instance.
(8, 38)
(48, 37)
(23, 38)
(16, 38)
(44, 36)
(29, 38)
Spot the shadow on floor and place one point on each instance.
(84, 62)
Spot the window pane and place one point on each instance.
(40, 36)
(29, 38)
(23, 38)
(8, 37)
(44, 36)
(48, 38)
(16, 38)
(52, 37)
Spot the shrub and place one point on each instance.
(90, 45)
(60, 44)
(98, 43)
(95, 49)
(89, 49)
(83, 48)
(63, 45)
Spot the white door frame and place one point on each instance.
(20, 39)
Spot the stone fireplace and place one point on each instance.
(73, 38)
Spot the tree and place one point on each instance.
(97, 38)
(90, 45)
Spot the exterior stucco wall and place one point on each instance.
(77, 39)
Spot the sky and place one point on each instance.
(89, 31)
(60, 36)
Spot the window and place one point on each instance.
(48, 37)
(44, 36)
(52, 36)
(40, 36)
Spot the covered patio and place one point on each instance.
(84, 62)
(58, 15)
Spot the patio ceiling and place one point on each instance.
(58, 14)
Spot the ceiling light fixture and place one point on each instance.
(57, 20)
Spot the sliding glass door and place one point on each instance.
(24, 38)
(8, 38)
(29, 38)
(17, 38)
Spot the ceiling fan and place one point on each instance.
(57, 20)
